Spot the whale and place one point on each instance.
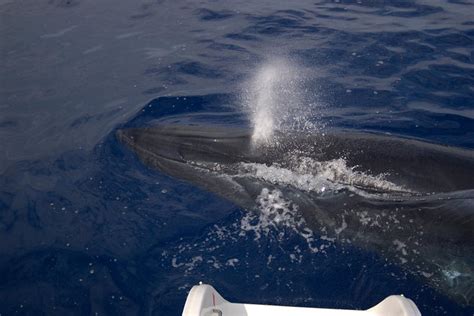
(408, 200)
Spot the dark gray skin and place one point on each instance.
(427, 226)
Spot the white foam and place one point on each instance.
(189, 266)
(232, 262)
(309, 175)
(275, 215)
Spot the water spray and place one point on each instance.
(275, 100)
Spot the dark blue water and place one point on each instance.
(86, 228)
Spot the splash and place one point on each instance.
(309, 175)
(279, 215)
(276, 100)
(275, 211)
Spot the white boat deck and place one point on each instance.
(203, 300)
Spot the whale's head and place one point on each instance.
(183, 144)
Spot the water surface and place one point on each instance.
(85, 228)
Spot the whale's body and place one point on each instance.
(411, 201)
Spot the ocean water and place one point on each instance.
(86, 228)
